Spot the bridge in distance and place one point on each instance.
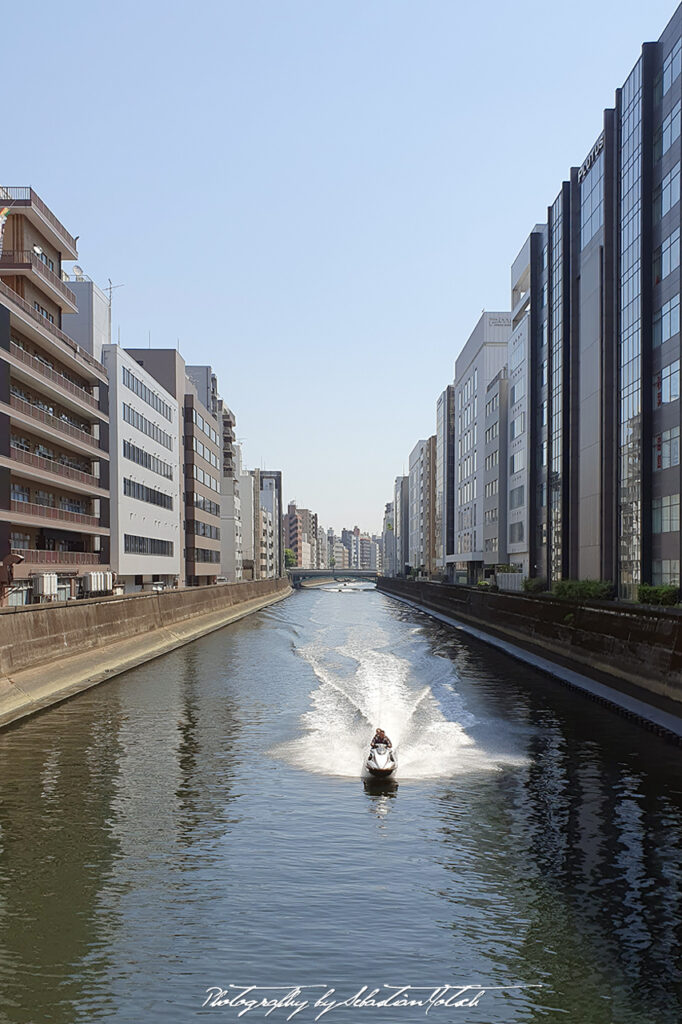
(297, 575)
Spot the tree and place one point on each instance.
(289, 558)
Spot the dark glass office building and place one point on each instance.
(606, 401)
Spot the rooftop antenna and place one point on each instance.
(150, 339)
(111, 289)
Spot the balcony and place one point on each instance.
(60, 515)
(25, 261)
(69, 346)
(51, 466)
(34, 557)
(39, 366)
(53, 421)
(27, 202)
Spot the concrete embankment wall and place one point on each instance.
(634, 645)
(49, 652)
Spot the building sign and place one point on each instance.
(591, 157)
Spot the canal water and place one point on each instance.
(200, 826)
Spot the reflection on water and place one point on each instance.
(202, 820)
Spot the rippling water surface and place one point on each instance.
(201, 821)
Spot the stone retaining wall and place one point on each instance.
(50, 651)
(639, 644)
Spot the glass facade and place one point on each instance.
(630, 339)
(592, 201)
(556, 361)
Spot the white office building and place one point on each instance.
(146, 487)
(417, 467)
(481, 359)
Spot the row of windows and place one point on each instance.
(140, 422)
(202, 555)
(20, 492)
(665, 514)
(667, 321)
(143, 458)
(492, 432)
(133, 489)
(204, 451)
(468, 390)
(492, 460)
(490, 516)
(492, 405)
(200, 529)
(205, 478)
(668, 132)
(667, 449)
(205, 426)
(665, 195)
(671, 70)
(665, 572)
(491, 488)
(146, 394)
(667, 256)
(205, 504)
(667, 384)
(467, 492)
(147, 546)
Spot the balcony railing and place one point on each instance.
(34, 557)
(28, 508)
(20, 259)
(53, 375)
(52, 421)
(70, 344)
(52, 466)
(23, 196)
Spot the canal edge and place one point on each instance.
(74, 675)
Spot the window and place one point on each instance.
(20, 541)
(147, 546)
(665, 572)
(516, 497)
(205, 504)
(133, 489)
(665, 514)
(491, 488)
(491, 544)
(515, 533)
(492, 460)
(667, 449)
(667, 384)
(517, 392)
(543, 414)
(146, 394)
(143, 458)
(668, 132)
(490, 516)
(492, 405)
(517, 426)
(667, 257)
(517, 462)
(671, 71)
(140, 422)
(667, 321)
(492, 432)
(516, 357)
(667, 193)
(543, 374)
(20, 493)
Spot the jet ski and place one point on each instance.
(381, 762)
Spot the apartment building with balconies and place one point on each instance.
(54, 405)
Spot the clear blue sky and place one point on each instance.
(318, 197)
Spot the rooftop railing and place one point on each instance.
(26, 196)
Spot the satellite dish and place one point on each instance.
(78, 271)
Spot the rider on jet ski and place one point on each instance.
(379, 738)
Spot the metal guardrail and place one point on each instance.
(52, 421)
(35, 557)
(14, 258)
(29, 508)
(69, 343)
(52, 466)
(26, 196)
(53, 375)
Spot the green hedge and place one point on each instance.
(647, 594)
(535, 585)
(583, 590)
